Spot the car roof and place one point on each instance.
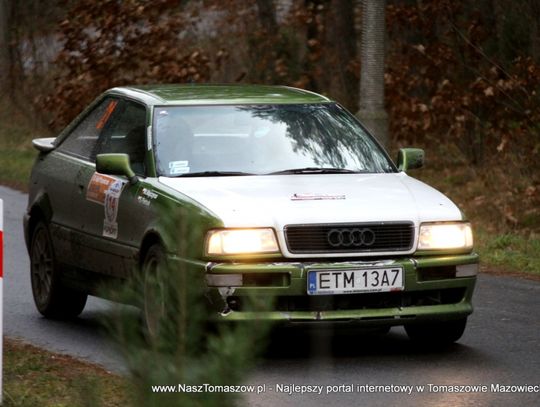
(207, 94)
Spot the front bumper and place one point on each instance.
(436, 288)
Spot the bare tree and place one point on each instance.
(372, 112)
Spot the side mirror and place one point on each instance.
(410, 158)
(116, 164)
(44, 145)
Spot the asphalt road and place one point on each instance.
(501, 346)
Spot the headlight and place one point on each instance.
(445, 236)
(241, 241)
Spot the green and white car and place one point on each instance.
(290, 196)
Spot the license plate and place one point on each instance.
(369, 280)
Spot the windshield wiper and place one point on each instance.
(213, 174)
(315, 170)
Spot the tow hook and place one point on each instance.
(225, 292)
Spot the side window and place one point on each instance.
(126, 133)
(83, 138)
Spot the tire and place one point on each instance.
(53, 300)
(154, 307)
(437, 333)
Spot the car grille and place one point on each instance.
(350, 238)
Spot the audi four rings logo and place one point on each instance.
(350, 237)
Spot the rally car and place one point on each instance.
(285, 193)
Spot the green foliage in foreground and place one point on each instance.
(187, 346)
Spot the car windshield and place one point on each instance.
(263, 139)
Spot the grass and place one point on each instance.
(509, 252)
(16, 166)
(34, 377)
(17, 130)
(502, 203)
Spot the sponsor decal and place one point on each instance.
(143, 201)
(106, 191)
(112, 198)
(107, 114)
(146, 196)
(315, 197)
(110, 229)
(98, 186)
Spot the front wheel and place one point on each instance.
(52, 299)
(154, 268)
(437, 333)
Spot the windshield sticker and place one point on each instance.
(179, 170)
(315, 197)
(105, 117)
(179, 167)
(112, 198)
(98, 186)
(174, 164)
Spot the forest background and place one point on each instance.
(462, 81)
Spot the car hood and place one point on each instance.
(280, 200)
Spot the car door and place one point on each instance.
(108, 209)
(60, 173)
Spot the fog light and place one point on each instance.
(224, 280)
(467, 270)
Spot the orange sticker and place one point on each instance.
(97, 187)
(108, 111)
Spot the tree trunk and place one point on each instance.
(267, 16)
(5, 59)
(312, 65)
(340, 52)
(534, 15)
(372, 112)
(499, 14)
